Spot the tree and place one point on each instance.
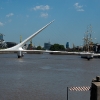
(57, 47)
(39, 48)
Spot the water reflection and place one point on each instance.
(21, 60)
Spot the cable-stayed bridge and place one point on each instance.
(18, 48)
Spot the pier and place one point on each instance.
(96, 55)
(95, 89)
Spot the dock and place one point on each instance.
(96, 55)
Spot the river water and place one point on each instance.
(45, 76)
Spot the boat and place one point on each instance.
(88, 54)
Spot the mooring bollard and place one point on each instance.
(95, 89)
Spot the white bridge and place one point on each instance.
(18, 48)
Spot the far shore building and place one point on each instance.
(47, 46)
(67, 45)
(10, 44)
(2, 42)
(1, 37)
(97, 48)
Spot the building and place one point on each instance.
(1, 37)
(10, 44)
(97, 48)
(2, 42)
(47, 46)
(67, 45)
(30, 46)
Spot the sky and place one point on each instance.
(72, 17)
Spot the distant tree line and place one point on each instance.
(54, 47)
(57, 47)
(39, 48)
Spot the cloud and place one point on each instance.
(78, 7)
(41, 7)
(1, 24)
(45, 15)
(9, 15)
